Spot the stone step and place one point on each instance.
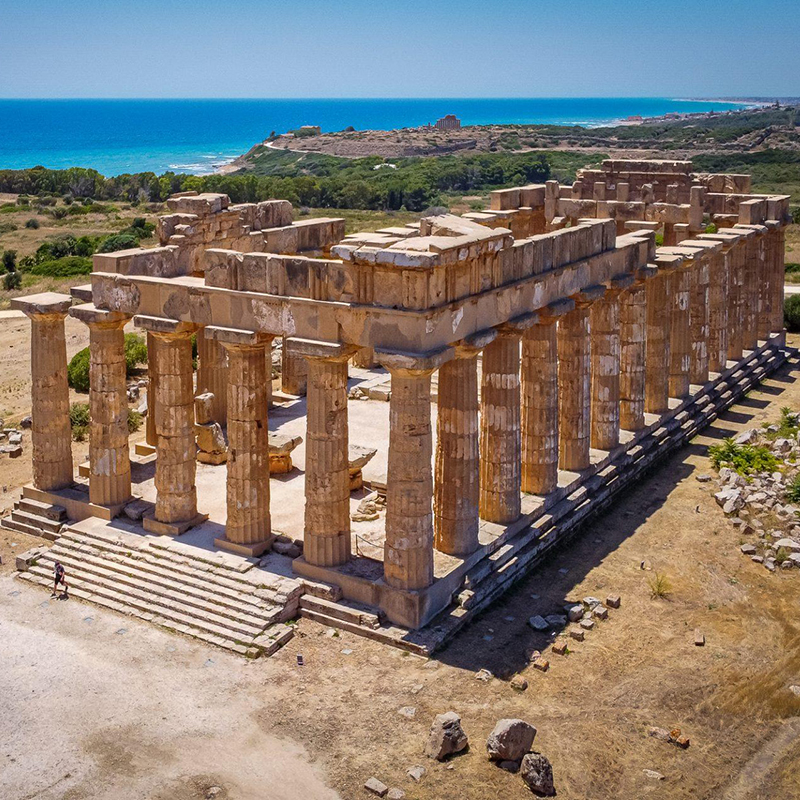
(275, 637)
(179, 564)
(155, 569)
(77, 591)
(347, 612)
(36, 521)
(49, 510)
(386, 634)
(22, 527)
(162, 587)
(175, 619)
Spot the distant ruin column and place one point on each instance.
(248, 529)
(500, 428)
(680, 338)
(50, 429)
(717, 313)
(408, 549)
(540, 400)
(176, 495)
(605, 333)
(574, 383)
(699, 320)
(327, 484)
(735, 319)
(109, 453)
(632, 334)
(657, 352)
(152, 376)
(294, 372)
(212, 375)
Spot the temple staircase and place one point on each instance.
(220, 599)
(36, 518)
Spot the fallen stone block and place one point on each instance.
(446, 736)
(538, 623)
(613, 601)
(699, 638)
(510, 740)
(358, 457)
(280, 452)
(537, 772)
(375, 786)
(518, 683)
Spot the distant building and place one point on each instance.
(448, 123)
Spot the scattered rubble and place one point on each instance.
(446, 737)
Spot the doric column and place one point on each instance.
(540, 400)
(294, 372)
(574, 382)
(699, 319)
(657, 350)
(632, 334)
(152, 376)
(778, 250)
(500, 484)
(327, 479)
(176, 495)
(212, 375)
(735, 293)
(717, 313)
(248, 530)
(457, 464)
(750, 289)
(109, 454)
(680, 339)
(50, 430)
(408, 549)
(605, 332)
(764, 280)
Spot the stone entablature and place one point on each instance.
(584, 332)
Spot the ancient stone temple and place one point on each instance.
(536, 357)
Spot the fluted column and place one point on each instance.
(764, 279)
(408, 548)
(50, 429)
(574, 384)
(750, 290)
(327, 481)
(176, 494)
(657, 353)
(733, 258)
(632, 334)
(605, 332)
(699, 319)
(718, 313)
(680, 339)
(456, 483)
(540, 400)
(294, 372)
(212, 375)
(152, 377)
(109, 453)
(500, 483)
(248, 528)
(778, 251)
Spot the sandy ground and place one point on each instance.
(161, 724)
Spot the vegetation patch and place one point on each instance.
(745, 459)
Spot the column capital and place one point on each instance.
(588, 295)
(98, 318)
(470, 346)
(550, 314)
(46, 304)
(164, 327)
(325, 351)
(619, 283)
(518, 325)
(236, 337)
(644, 273)
(413, 364)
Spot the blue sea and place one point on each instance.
(197, 136)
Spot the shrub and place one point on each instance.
(793, 490)
(32, 223)
(660, 586)
(742, 458)
(134, 421)
(65, 267)
(79, 420)
(78, 371)
(10, 260)
(12, 280)
(7, 227)
(791, 312)
(119, 241)
(135, 351)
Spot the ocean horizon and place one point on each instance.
(197, 136)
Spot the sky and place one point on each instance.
(405, 48)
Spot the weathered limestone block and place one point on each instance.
(280, 452)
(358, 458)
(294, 372)
(50, 430)
(500, 431)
